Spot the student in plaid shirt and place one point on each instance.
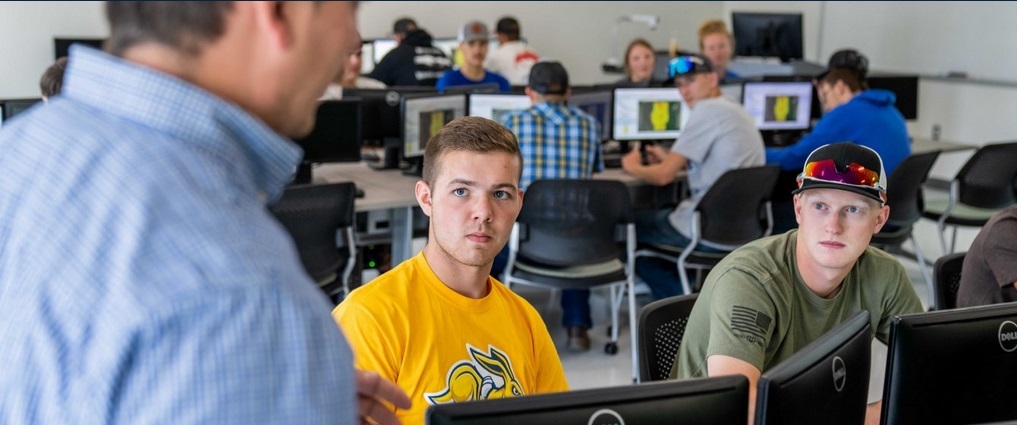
(557, 142)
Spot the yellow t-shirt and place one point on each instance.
(442, 347)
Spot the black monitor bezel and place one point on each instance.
(315, 154)
(607, 126)
(596, 399)
(857, 329)
(904, 329)
(744, 24)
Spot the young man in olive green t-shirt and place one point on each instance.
(772, 297)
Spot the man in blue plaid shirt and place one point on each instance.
(557, 142)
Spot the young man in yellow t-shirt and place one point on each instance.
(438, 325)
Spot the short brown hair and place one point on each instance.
(52, 80)
(714, 26)
(471, 134)
(184, 26)
(850, 77)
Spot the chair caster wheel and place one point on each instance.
(611, 348)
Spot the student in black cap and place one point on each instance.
(853, 113)
(557, 141)
(415, 61)
(772, 297)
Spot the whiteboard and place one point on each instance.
(928, 38)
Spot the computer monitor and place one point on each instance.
(732, 90)
(422, 117)
(494, 106)
(768, 34)
(648, 113)
(905, 87)
(381, 47)
(952, 367)
(380, 111)
(335, 137)
(62, 45)
(779, 105)
(473, 88)
(12, 107)
(366, 57)
(599, 104)
(826, 382)
(720, 400)
(448, 45)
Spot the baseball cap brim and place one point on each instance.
(870, 193)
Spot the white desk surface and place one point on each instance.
(922, 145)
(387, 189)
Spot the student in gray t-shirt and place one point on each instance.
(719, 136)
(772, 297)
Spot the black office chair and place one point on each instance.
(982, 187)
(735, 211)
(948, 275)
(313, 214)
(904, 196)
(577, 234)
(661, 328)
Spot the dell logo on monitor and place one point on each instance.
(1008, 336)
(606, 417)
(839, 373)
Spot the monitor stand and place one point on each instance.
(416, 167)
(390, 161)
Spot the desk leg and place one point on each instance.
(402, 234)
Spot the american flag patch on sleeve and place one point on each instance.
(753, 324)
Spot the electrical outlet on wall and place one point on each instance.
(937, 130)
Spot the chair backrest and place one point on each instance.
(987, 179)
(731, 212)
(661, 328)
(904, 191)
(947, 275)
(570, 222)
(313, 214)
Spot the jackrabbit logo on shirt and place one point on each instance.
(484, 376)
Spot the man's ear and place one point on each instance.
(276, 20)
(423, 194)
(884, 214)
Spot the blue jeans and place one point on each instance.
(575, 303)
(654, 227)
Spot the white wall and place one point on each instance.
(26, 39)
(576, 33)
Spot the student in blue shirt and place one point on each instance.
(473, 39)
(852, 113)
(142, 278)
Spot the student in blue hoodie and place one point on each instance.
(852, 113)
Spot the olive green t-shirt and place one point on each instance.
(755, 307)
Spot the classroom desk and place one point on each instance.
(922, 145)
(391, 190)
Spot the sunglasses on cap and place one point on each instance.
(855, 174)
(684, 65)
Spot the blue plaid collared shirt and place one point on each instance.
(142, 279)
(557, 142)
